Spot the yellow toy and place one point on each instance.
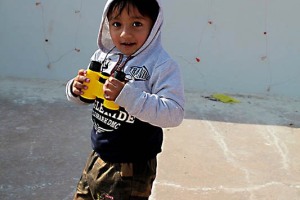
(95, 86)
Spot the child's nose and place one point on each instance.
(126, 32)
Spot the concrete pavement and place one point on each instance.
(249, 150)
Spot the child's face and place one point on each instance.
(129, 30)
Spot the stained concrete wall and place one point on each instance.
(246, 47)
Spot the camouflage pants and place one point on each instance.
(116, 181)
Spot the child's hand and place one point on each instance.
(78, 83)
(112, 88)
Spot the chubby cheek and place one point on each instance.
(145, 35)
(114, 38)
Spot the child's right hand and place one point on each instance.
(78, 83)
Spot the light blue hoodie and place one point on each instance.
(152, 99)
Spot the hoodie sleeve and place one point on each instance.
(164, 105)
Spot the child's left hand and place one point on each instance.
(112, 88)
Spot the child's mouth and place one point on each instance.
(127, 44)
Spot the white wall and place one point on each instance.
(236, 56)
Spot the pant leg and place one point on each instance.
(144, 174)
(83, 189)
(124, 181)
(116, 181)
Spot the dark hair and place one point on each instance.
(148, 8)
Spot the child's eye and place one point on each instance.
(116, 24)
(137, 24)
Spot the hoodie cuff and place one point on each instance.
(71, 90)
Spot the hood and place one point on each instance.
(105, 42)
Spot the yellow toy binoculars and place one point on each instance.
(95, 86)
